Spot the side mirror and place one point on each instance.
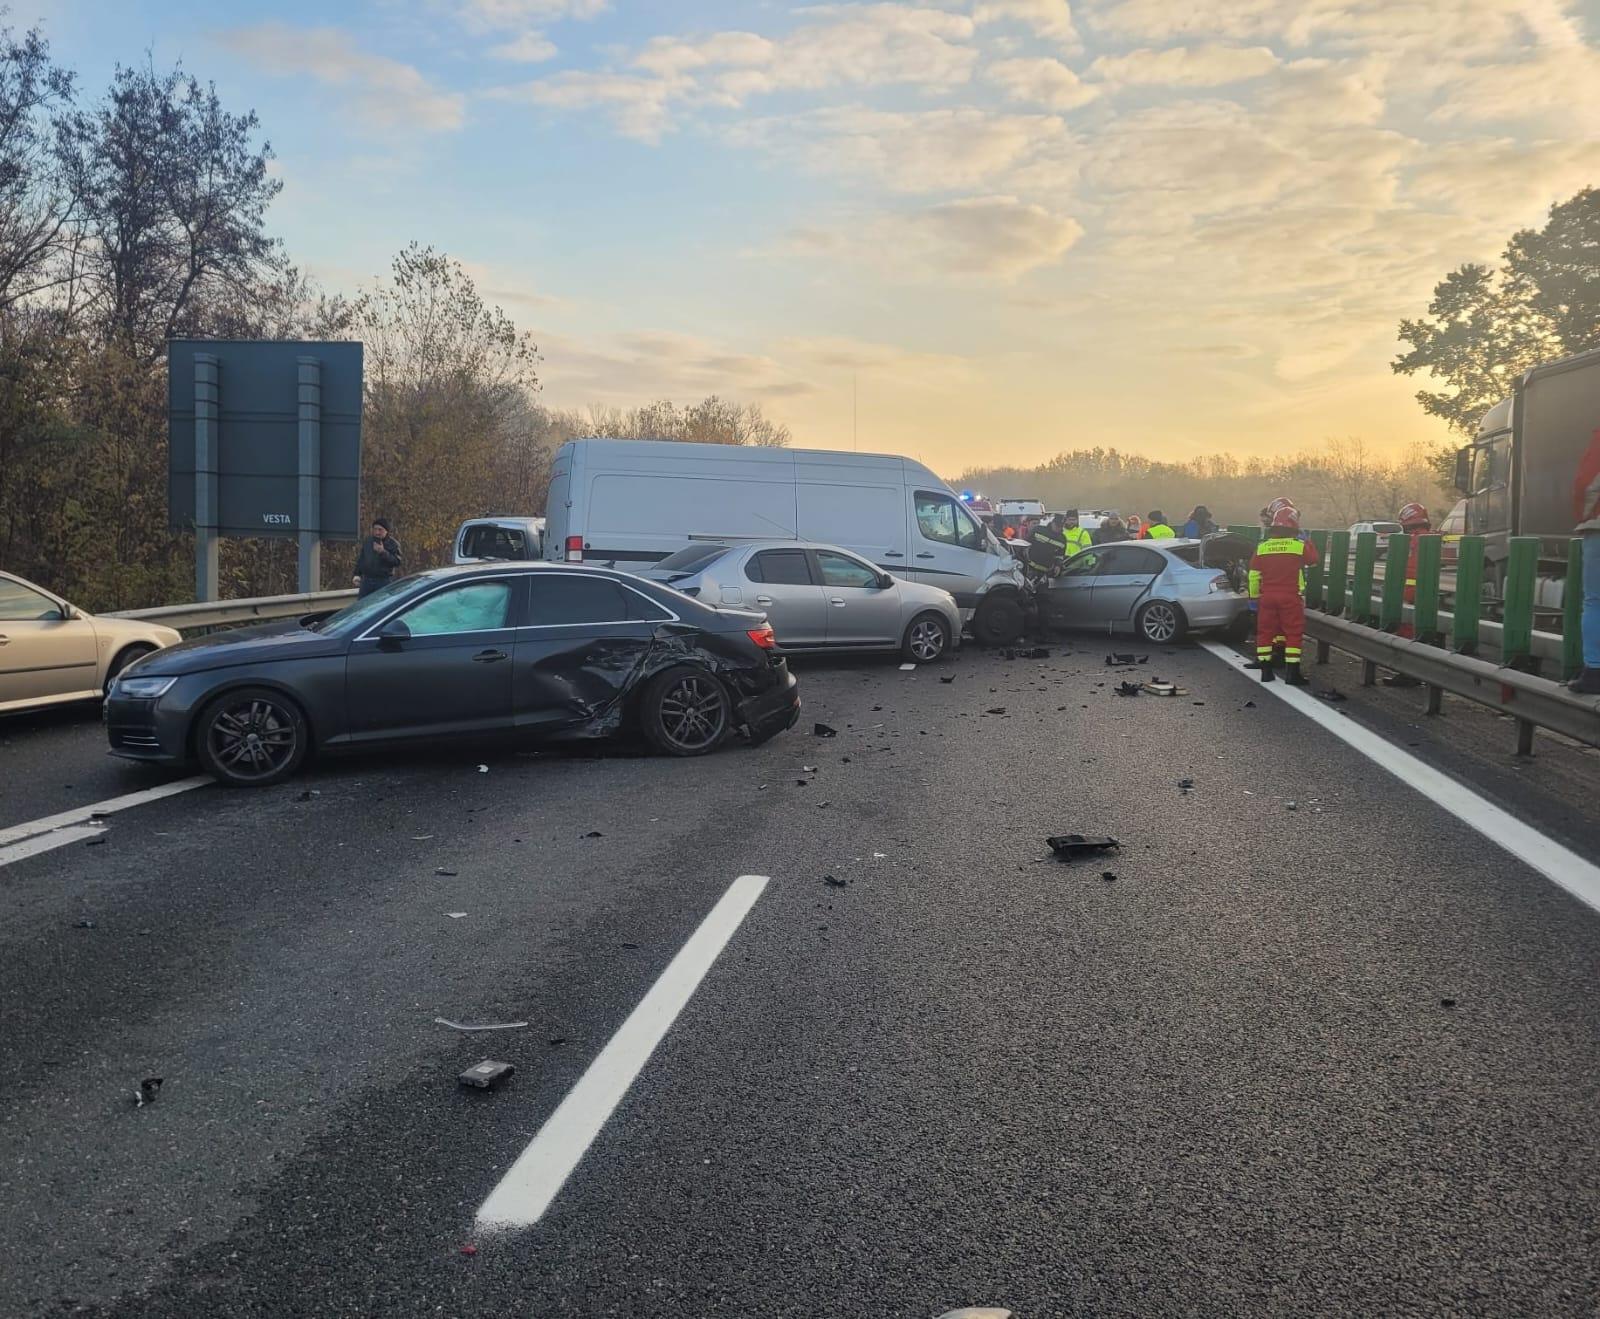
(392, 633)
(885, 581)
(1463, 473)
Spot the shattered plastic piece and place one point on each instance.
(557, 1039)
(1447, 1002)
(822, 730)
(594, 833)
(148, 1089)
(800, 783)
(906, 668)
(1292, 805)
(85, 924)
(1249, 705)
(308, 794)
(1128, 689)
(833, 881)
(485, 1074)
(469, 1250)
(420, 838)
(489, 1025)
(1071, 846)
(808, 769)
(995, 709)
(948, 678)
(1187, 785)
(455, 915)
(977, 1312)
(95, 842)
(483, 769)
(633, 946)
(1332, 695)
(1110, 876)
(448, 874)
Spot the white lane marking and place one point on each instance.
(539, 1173)
(47, 842)
(1556, 863)
(82, 814)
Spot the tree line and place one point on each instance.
(143, 214)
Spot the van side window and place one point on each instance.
(941, 518)
(780, 568)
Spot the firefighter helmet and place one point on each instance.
(1287, 518)
(1413, 515)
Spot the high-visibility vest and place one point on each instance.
(1077, 538)
(1158, 531)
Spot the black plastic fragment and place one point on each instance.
(833, 881)
(995, 709)
(1071, 846)
(822, 730)
(1332, 695)
(148, 1089)
(1127, 689)
(481, 1076)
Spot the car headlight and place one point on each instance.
(143, 689)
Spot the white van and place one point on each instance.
(636, 501)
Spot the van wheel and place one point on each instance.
(926, 639)
(999, 621)
(1161, 623)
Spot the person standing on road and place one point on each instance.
(1586, 503)
(1110, 530)
(1075, 537)
(1277, 584)
(1200, 523)
(1155, 527)
(379, 557)
(1045, 552)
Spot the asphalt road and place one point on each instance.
(1225, 1082)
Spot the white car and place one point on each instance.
(1383, 529)
(500, 539)
(51, 652)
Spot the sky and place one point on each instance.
(972, 231)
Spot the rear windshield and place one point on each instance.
(490, 542)
(691, 558)
(1190, 554)
(1386, 528)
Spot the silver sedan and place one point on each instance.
(1158, 590)
(818, 597)
(52, 652)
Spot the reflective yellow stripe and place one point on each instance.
(1282, 545)
(1255, 583)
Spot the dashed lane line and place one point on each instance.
(1558, 864)
(85, 814)
(536, 1178)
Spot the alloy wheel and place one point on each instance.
(252, 739)
(926, 642)
(694, 713)
(1160, 622)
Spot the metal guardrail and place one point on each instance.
(1532, 701)
(207, 614)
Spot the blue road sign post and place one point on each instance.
(264, 440)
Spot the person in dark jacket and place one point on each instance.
(1110, 530)
(1199, 524)
(379, 557)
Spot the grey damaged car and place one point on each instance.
(818, 597)
(1158, 590)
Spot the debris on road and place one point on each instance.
(148, 1089)
(1249, 705)
(308, 794)
(948, 678)
(995, 709)
(1332, 695)
(420, 838)
(833, 881)
(448, 874)
(1117, 658)
(1161, 687)
(1447, 1002)
(1069, 847)
(1292, 805)
(594, 833)
(1128, 689)
(822, 730)
(1110, 876)
(487, 1025)
(455, 915)
(1026, 652)
(86, 924)
(485, 1074)
(469, 1250)
(1186, 786)
(906, 668)
(95, 842)
(483, 769)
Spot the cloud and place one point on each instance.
(501, 15)
(1557, 86)
(908, 151)
(531, 47)
(885, 362)
(639, 367)
(867, 45)
(1045, 82)
(990, 237)
(1051, 19)
(384, 92)
(1185, 66)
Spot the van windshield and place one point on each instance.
(691, 558)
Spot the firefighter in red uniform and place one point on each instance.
(1277, 584)
(1416, 523)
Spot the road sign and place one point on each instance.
(264, 440)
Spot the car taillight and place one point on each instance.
(1221, 583)
(763, 637)
(574, 549)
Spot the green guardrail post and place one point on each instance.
(1337, 576)
(1316, 576)
(1425, 610)
(1394, 582)
(1250, 532)
(1361, 586)
(1469, 595)
(1522, 568)
(1572, 612)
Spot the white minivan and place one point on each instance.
(630, 502)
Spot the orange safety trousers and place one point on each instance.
(1280, 616)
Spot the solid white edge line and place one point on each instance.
(82, 814)
(48, 842)
(1560, 865)
(536, 1178)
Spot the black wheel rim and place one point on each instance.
(252, 739)
(927, 639)
(693, 713)
(1160, 623)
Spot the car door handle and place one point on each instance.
(5, 641)
(488, 656)
(893, 554)
(763, 599)
(925, 555)
(836, 602)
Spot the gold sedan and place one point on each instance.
(52, 652)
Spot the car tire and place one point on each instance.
(223, 731)
(686, 712)
(1000, 621)
(126, 657)
(1160, 623)
(927, 639)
